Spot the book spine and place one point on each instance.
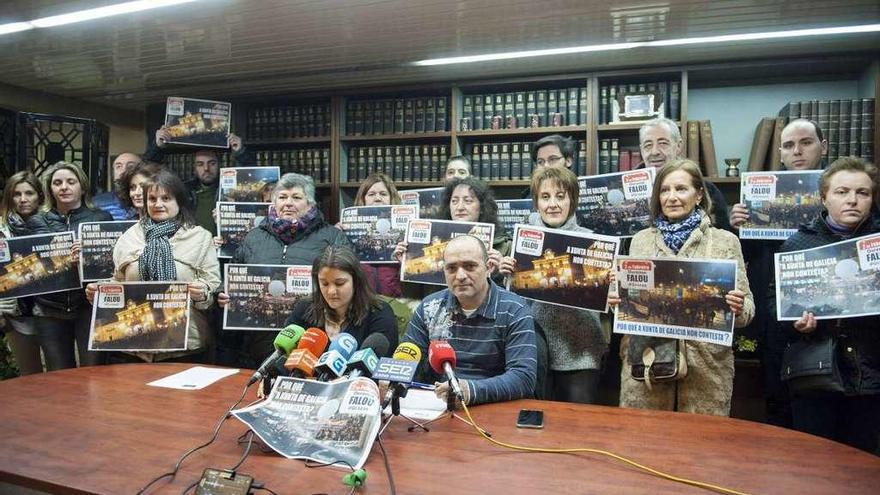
(430, 114)
(488, 110)
(515, 161)
(693, 144)
(419, 126)
(519, 109)
(504, 165)
(409, 116)
(477, 120)
(531, 107)
(407, 163)
(572, 107)
(441, 114)
(603, 105)
(855, 127)
(552, 107)
(467, 112)
(707, 144)
(369, 107)
(612, 105)
(604, 156)
(562, 106)
(509, 111)
(831, 130)
(866, 141)
(843, 127)
(583, 106)
(398, 116)
(427, 165)
(541, 108)
(614, 164)
(526, 160)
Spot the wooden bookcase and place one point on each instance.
(339, 190)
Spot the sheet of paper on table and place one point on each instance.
(420, 404)
(195, 378)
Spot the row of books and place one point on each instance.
(701, 147)
(667, 95)
(407, 163)
(524, 109)
(848, 125)
(289, 122)
(397, 116)
(511, 160)
(615, 157)
(312, 162)
(182, 163)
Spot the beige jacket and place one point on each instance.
(195, 258)
(708, 386)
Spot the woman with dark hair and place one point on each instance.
(576, 341)
(342, 300)
(680, 212)
(166, 244)
(65, 316)
(848, 189)
(129, 189)
(22, 198)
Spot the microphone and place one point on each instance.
(332, 363)
(302, 360)
(364, 361)
(284, 342)
(441, 356)
(399, 370)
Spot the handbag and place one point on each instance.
(656, 359)
(810, 366)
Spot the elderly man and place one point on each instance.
(109, 201)
(660, 142)
(802, 147)
(491, 329)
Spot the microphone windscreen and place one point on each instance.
(288, 338)
(314, 340)
(440, 352)
(345, 344)
(408, 351)
(378, 343)
(301, 360)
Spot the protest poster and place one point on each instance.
(428, 201)
(247, 184)
(427, 240)
(330, 423)
(96, 253)
(140, 316)
(512, 212)
(197, 122)
(617, 204)
(234, 221)
(562, 267)
(679, 298)
(779, 202)
(37, 264)
(840, 280)
(261, 297)
(376, 230)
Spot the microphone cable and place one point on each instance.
(655, 472)
(193, 450)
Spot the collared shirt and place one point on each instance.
(495, 346)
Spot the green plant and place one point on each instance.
(743, 344)
(8, 368)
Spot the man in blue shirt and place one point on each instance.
(491, 329)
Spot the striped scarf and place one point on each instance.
(157, 260)
(676, 233)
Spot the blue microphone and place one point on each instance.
(332, 363)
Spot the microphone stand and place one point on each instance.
(398, 390)
(450, 413)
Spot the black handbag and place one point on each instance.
(810, 367)
(656, 359)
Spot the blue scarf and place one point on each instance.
(675, 234)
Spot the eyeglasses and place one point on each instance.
(551, 160)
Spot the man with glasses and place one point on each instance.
(553, 151)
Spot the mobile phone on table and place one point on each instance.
(530, 418)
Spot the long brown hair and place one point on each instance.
(76, 170)
(363, 297)
(370, 181)
(7, 206)
(697, 182)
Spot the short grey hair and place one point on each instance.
(670, 126)
(291, 180)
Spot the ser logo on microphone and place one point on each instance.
(395, 370)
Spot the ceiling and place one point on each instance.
(250, 48)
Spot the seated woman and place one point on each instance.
(680, 209)
(848, 189)
(22, 198)
(166, 244)
(576, 342)
(344, 301)
(129, 190)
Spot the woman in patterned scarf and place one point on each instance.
(680, 210)
(168, 245)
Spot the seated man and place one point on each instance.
(491, 329)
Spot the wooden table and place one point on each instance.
(102, 430)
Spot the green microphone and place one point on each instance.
(285, 341)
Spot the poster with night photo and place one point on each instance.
(197, 122)
(564, 268)
(140, 316)
(512, 212)
(428, 200)
(616, 204)
(426, 243)
(779, 202)
(37, 264)
(679, 298)
(247, 184)
(234, 221)
(376, 230)
(261, 297)
(96, 252)
(840, 280)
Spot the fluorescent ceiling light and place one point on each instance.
(89, 14)
(867, 28)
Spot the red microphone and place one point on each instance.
(441, 356)
(302, 360)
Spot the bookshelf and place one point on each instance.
(338, 121)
